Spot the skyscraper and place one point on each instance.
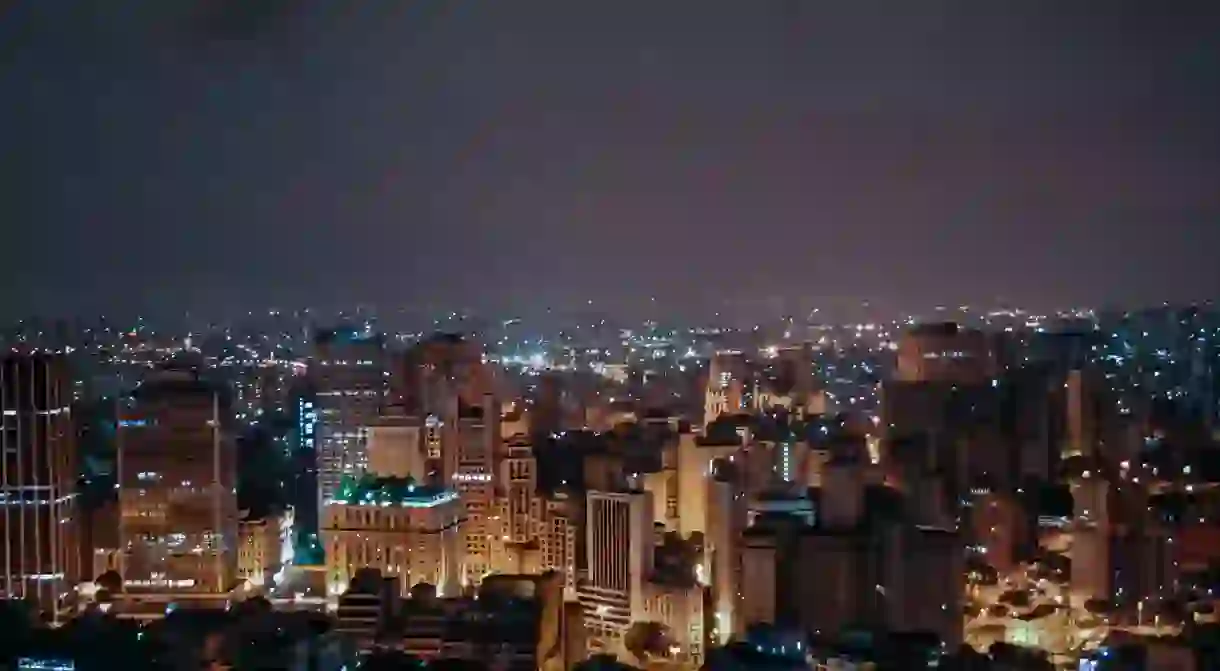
(620, 542)
(177, 477)
(348, 373)
(41, 557)
(945, 353)
(470, 454)
(445, 363)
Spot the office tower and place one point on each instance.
(396, 446)
(425, 375)
(538, 529)
(547, 405)
(470, 453)
(303, 458)
(695, 457)
(397, 526)
(726, 520)
(520, 478)
(788, 382)
(1122, 551)
(40, 527)
(724, 392)
(872, 571)
(177, 486)
(563, 521)
(945, 353)
(619, 542)
(1123, 565)
(1083, 414)
(349, 378)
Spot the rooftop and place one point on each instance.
(384, 492)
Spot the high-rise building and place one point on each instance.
(303, 460)
(945, 353)
(177, 486)
(470, 454)
(619, 542)
(40, 528)
(562, 522)
(1083, 414)
(538, 529)
(349, 377)
(428, 372)
(396, 446)
(696, 454)
(724, 392)
(873, 571)
(727, 513)
(523, 511)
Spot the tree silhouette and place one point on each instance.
(645, 640)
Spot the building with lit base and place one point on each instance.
(396, 525)
(177, 487)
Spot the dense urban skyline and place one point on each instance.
(752, 158)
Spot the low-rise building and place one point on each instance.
(397, 526)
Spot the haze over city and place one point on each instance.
(747, 158)
(684, 335)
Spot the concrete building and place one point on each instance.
(619, 540)
(523, 511)
(369, 607)
(349, 378)
(677, 604)
(1084, 415)
(1000, 530)
(727, 518)
(902, 579)
(177, 487)
(303, 459)
(946, 353)
(563, 522)
(514, 622)
(401, 528)
(696, 453)
(40, 529)
(396, 446)
(425, 375)
(873, 569)
(470, 456)
(264, 547)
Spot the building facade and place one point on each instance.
(401, 528)
(41, 558)
(177, 486)
(349, 378)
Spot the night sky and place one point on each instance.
(748, 156)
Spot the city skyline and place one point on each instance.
(549, 336)
(752, 159)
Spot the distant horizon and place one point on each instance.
(766, 158)
(401, 321)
